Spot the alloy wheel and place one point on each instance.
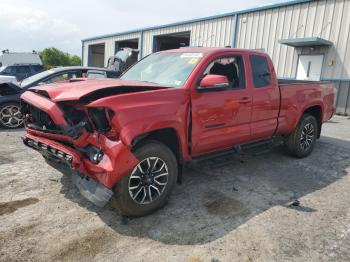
(10, 116)
(307, 136)
(148, 180)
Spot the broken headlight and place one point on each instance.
(100, 118)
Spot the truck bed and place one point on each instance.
(301, 95)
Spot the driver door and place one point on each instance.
(221, 119)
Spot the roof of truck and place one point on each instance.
(211, 50)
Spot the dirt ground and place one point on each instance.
(227, 209)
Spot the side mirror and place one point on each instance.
(213, 83)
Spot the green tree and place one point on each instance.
(52, 57)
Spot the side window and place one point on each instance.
(37, 68)
(61, 77)
(23, 70)
(260, 70)
(231, 67)
(9, 70)
(96, 74)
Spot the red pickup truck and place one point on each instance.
(128, 139)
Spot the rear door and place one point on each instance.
(221, 119)
(266, 97)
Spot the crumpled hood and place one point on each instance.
(77, 89)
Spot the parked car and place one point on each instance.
(20, 71)
(12, 58)
(10, 116)
(128, 139)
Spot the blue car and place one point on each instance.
(21, 71)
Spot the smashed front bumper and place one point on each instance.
(95, 181)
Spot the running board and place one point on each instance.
(275, 141)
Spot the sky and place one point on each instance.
(37, 24)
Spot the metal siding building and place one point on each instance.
(288, 32)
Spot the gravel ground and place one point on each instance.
(227, 209)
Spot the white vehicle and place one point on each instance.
(12, 58)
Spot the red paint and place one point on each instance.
(219, 119)
(213, 81)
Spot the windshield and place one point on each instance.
(30, 80)
(170, 69)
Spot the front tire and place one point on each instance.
(302, 141)
(10, 115)
(148, 186)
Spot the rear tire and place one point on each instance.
(300, 143)
(148, 186)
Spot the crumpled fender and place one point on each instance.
(136, 116)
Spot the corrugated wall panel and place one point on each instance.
(266, 30)
(109, 45)
(318, 20)
(345, 40)
(310, 21)
(262, 30)
(283, 59)
(343, 93)
(209, 33)
(325, 18)
(327, 33)
(292, 57)
(339, 41)
(255, 20)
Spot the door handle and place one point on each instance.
(245, 100)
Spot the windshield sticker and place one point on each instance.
(177, 82)
(191, 55)
(192, 61)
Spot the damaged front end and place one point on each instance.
(73, 136)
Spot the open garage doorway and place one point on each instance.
(97, 55)
(130, 43)
(171, 41)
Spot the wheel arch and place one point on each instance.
(167, 136)
(317, 112)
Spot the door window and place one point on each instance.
(62, 77)
(23, 70)
(231, 67)
(9, 70)
(96, 74)
(260, 71)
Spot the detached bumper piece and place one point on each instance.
(92, 190)
(48, 151)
